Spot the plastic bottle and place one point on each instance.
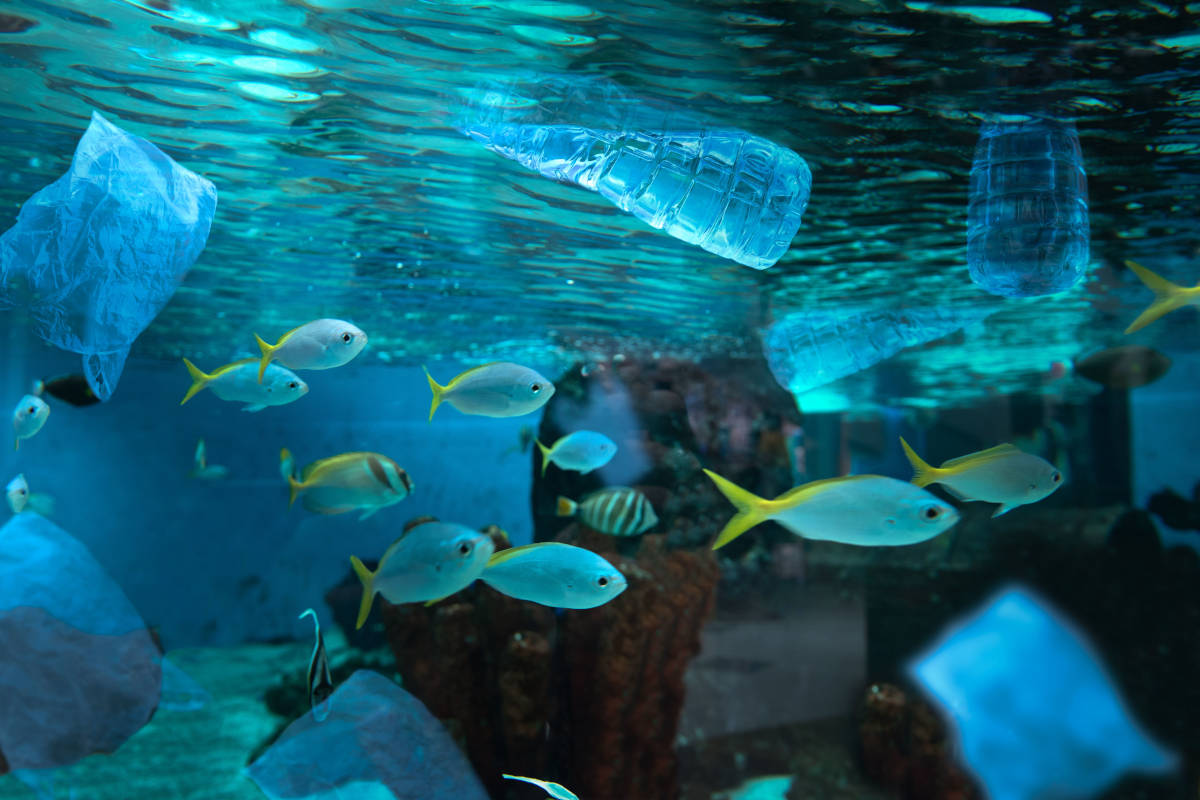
(730, 192)
(1027, 220)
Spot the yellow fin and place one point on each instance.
(368, 579)
(515, 552)
(923, 474)
(1167, 296)
(565, 507)
(751, 509)
(546, 451)
(437, 389)
(199, 381)
(982, 456)
(268, 352)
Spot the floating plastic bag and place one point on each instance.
(96, 255)
(79, 673)
(1036, 715)
(378, 743)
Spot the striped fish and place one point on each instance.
(320, 684)
(615, 510)
(363, 482)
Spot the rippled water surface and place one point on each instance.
(344, 190)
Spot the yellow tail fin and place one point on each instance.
(368, 579)
(199, 381)
(565, 507)
(751, 509)
(1167, 296)
(923, 473)
(294, 486)
(545, 456)
(437, 390)
(268, 352)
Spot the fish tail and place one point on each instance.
(923, 473)
(545, 456)
(199, 381)
(437, 389)
(368, 580)
(268, 352)
(1167, 296)
(751, 509)
(565, 507)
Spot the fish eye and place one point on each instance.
(33, 409)
(602, 581)
(931, 512)
(1056, 477)
(293, 385)
(347, 337)
(465, 549)
(537, 387)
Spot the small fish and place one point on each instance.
(1125, 367)
(429, 562)
(320, 344)
(346, 482)
(28, 417)
(866, 510)
(525, 437)
(73, 389)
(20, 499)
(201, 468)
(764, 787)
(555, 790)
(582, 451)
(320, 683)
(499, 389)
(554, 574)
(1002, 474)
(1167, 296)
(240, 382)
(615, 510)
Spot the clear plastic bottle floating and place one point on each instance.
(1027, 218)
(730, 192)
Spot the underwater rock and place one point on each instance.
(96, 255)
(1175, 510)
(378, 740)
(1034, 712)
(80, 673)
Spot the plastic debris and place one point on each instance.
(96, 255)
(1035, 713)
(809, 349)
(80, 674)
(730, 192)
(377, 742)
(1027, 220)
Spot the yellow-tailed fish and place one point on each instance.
(201, 469)
(555, 790)
(239, 382)
(320, 344)
(499, 389)
(20, 499)
(615, 510)
(864, 510)
(73, 389)
(28, 417)
(319, 681)
(1002, 474)
(431, 561)
(363, 482)
(554, 574)
(1167, 296)
(582, 451)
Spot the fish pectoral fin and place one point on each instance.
(1004, 508)
(368, 512)
(254, 407)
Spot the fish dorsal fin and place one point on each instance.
(463, 375)
(516, 552)
(232, 365)
(983, 455)
(814, 487)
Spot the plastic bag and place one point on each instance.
(96, 255)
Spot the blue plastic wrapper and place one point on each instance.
(1037, 716)
(378, 743)
(96, 255)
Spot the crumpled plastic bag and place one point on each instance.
(377, 742)
(1035, 713)
(96, 255)
(79, 672)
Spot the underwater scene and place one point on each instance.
(641, 400)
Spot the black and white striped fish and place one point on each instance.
(320, 683)
(615, 510)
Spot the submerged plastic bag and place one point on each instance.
(96, 255)
(1035, 712)
(79, 673)
(377, 742)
